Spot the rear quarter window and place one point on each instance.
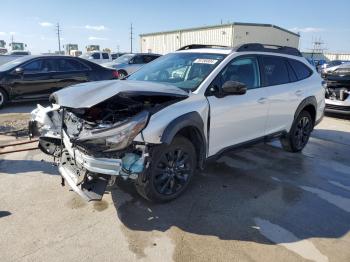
(301, 70)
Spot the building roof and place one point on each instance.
(221, 25)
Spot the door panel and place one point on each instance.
(35, 81)
(282, 94)
(237, 118)
(69, 72)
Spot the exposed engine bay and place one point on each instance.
(86, 127)
(337, 93)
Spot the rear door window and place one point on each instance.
(149, 58)
(138, 60)
(301, 70)
(69, 65)
(105, 56)
(96, 55)
(291, 73)
(274, 70)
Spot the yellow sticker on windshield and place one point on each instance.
(205, 61)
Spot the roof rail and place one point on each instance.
(257, 47)
(196, 46)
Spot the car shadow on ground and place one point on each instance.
(243, 196)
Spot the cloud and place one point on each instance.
(46, 24)
(96, 27)
(307, 29)
(3, 33)
(92, 38)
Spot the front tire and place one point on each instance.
(122, 74)
(3, 98)
(170, 171)
(299, 134)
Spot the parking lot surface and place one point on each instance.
(258, 204)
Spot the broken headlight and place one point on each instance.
(117, 136)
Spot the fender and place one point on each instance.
(191, 119)
(311, 100)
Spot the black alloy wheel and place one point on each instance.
(172, 167)
(302, 132)
(172, 171)
(299, 133)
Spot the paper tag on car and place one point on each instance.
(205, 61)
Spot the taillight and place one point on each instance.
(115, 74)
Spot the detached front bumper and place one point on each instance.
(86, 175)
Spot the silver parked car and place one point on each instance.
(129, 63)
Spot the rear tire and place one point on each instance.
(170, 171)
(3, 98)
(299, 134)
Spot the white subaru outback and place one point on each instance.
(158, 125)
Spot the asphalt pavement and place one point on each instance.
(257, 204)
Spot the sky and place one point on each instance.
(107, 22)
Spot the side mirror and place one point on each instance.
(234, 88)
(19, 71)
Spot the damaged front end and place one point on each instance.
(337, 97)
(92, 146)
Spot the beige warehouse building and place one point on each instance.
(225, 34)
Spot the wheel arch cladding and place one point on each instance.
(191, 126)
(309, 104)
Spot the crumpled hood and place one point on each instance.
(89, 94)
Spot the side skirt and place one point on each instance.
(246, 144)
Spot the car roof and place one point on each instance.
(50, 56)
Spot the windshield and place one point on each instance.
(14, 63)
(123, 59)
(184, 70)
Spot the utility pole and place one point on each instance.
(58, 32)
(131, 37)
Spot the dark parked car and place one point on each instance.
(36, 77)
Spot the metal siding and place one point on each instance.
(214, 36)
(226, 35)
(160, 44)
(264, 35)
